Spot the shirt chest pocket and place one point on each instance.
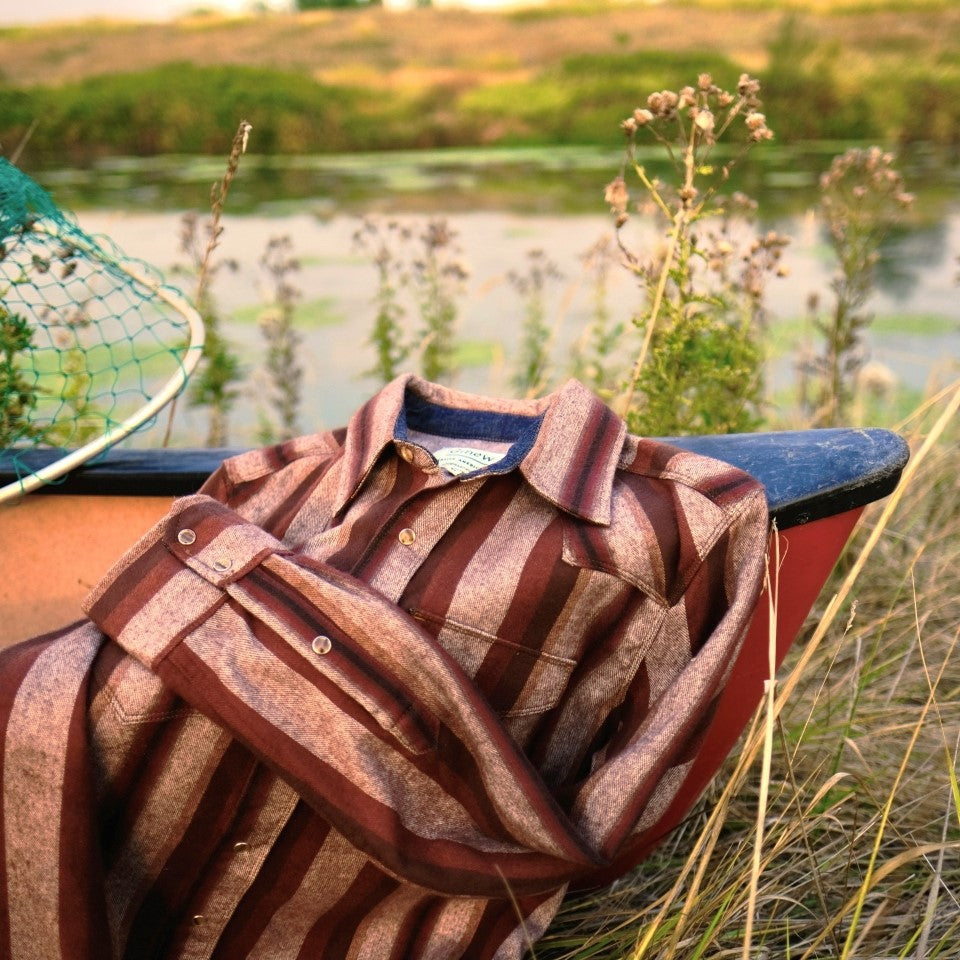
(516, 680)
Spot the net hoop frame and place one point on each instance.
(170, 389)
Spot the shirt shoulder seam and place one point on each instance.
(751, 485)
(316, 445)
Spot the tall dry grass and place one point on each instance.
(833, 832)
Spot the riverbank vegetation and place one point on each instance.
(373, 79)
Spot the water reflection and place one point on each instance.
(906, 251)
(503, 204)
(518, 179)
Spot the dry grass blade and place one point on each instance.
(214, 342)
(769, 726)
(868, 881)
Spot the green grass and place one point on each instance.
(81, 390)
(477, 353)
(107, 362)
(182, 108)
(310, 315)
(583, 98)
(561, 10)
(871, 410)
(787, 333)
(918, 324)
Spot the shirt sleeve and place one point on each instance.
(345, 696)
(683, 675)
(52, 893)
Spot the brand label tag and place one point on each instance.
(458, 460)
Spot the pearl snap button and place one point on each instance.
(407, 536)
(321, 645)
(221, 566)
(406, 453)
(186, 537)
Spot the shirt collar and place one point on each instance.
(571, 462)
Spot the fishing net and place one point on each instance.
(92, 343)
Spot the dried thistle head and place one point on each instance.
(688, 123)
(862, 190)
(749, 88)
(663, 104)
(757, 125)
(617, 196)
(694, 117)
(437, 234)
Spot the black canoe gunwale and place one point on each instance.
(807, 474)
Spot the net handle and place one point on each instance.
(167, 392)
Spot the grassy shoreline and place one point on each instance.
(339, 81)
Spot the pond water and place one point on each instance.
(501, 204)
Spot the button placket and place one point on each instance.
(402, 560)
(418, 457)
(245, 858)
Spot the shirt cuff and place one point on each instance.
(174, 576)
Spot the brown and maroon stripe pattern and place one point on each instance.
(510, 702)
(50, 859)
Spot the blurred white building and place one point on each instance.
(52, 11)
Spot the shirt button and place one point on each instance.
(241, 846)
(407, 536)
(198, 918)
(407, 454)
(321, 645)
(222, 566)
(186, 537)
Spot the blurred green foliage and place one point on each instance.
(184, 107)
(583, 98)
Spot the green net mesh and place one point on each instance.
(88, 337)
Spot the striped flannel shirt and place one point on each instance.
(345, 703)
